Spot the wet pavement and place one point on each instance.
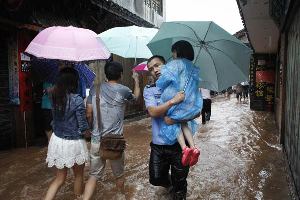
(241, 158)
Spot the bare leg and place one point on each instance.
(181, 140)
(78, 183)
(188, 134)
(59, 180)
(48, 133)
(89, 188)
(120, 182)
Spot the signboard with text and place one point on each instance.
(262, 77)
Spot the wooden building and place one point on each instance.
(21, 20)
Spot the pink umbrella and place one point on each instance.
(142, 67)
(68, 43)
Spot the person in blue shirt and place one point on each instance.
(164, 155)
(46, 108)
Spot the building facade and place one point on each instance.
(273, 28)
(20, 22)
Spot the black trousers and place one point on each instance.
(245, 91)
(162, 159)
(206, 110)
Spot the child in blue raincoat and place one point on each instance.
(181, 74)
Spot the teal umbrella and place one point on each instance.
(128, 41)
(223, 59)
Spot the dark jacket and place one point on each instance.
(72, 124)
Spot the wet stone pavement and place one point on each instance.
(241, 158)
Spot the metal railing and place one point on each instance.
(156, 5)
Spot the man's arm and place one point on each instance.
(89, 114)
(137, 90)
(159, 111)
(81, 118)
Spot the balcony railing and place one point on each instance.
(156, 5)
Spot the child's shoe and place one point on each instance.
(186, 156)
(194, 157)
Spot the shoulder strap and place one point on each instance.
(98, 106)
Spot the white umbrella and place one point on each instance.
(128, 41)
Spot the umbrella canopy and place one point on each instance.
(67, 43)
(128, 41)
(223, 59)
(47, 70)
(142, 67)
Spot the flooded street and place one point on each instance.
(240, 159)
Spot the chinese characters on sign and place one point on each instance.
(25, 83)
(263, 76)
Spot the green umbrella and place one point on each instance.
(223, 59)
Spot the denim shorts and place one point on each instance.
(97, 165)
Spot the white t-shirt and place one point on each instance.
(205, 93)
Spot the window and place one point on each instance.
(156, 5)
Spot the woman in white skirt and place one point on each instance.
(67, 147)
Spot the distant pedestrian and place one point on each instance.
(46, 109)
(245, 90)
(206, 110)
(228, 93)
(239, 92)
(67, 147)
(233, 88)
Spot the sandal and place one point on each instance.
(194, 157)
(186, 156)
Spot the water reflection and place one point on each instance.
(240, 159)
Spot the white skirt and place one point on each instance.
(66, 153)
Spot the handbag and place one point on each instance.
(111, 146)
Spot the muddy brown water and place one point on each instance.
(241, 158)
